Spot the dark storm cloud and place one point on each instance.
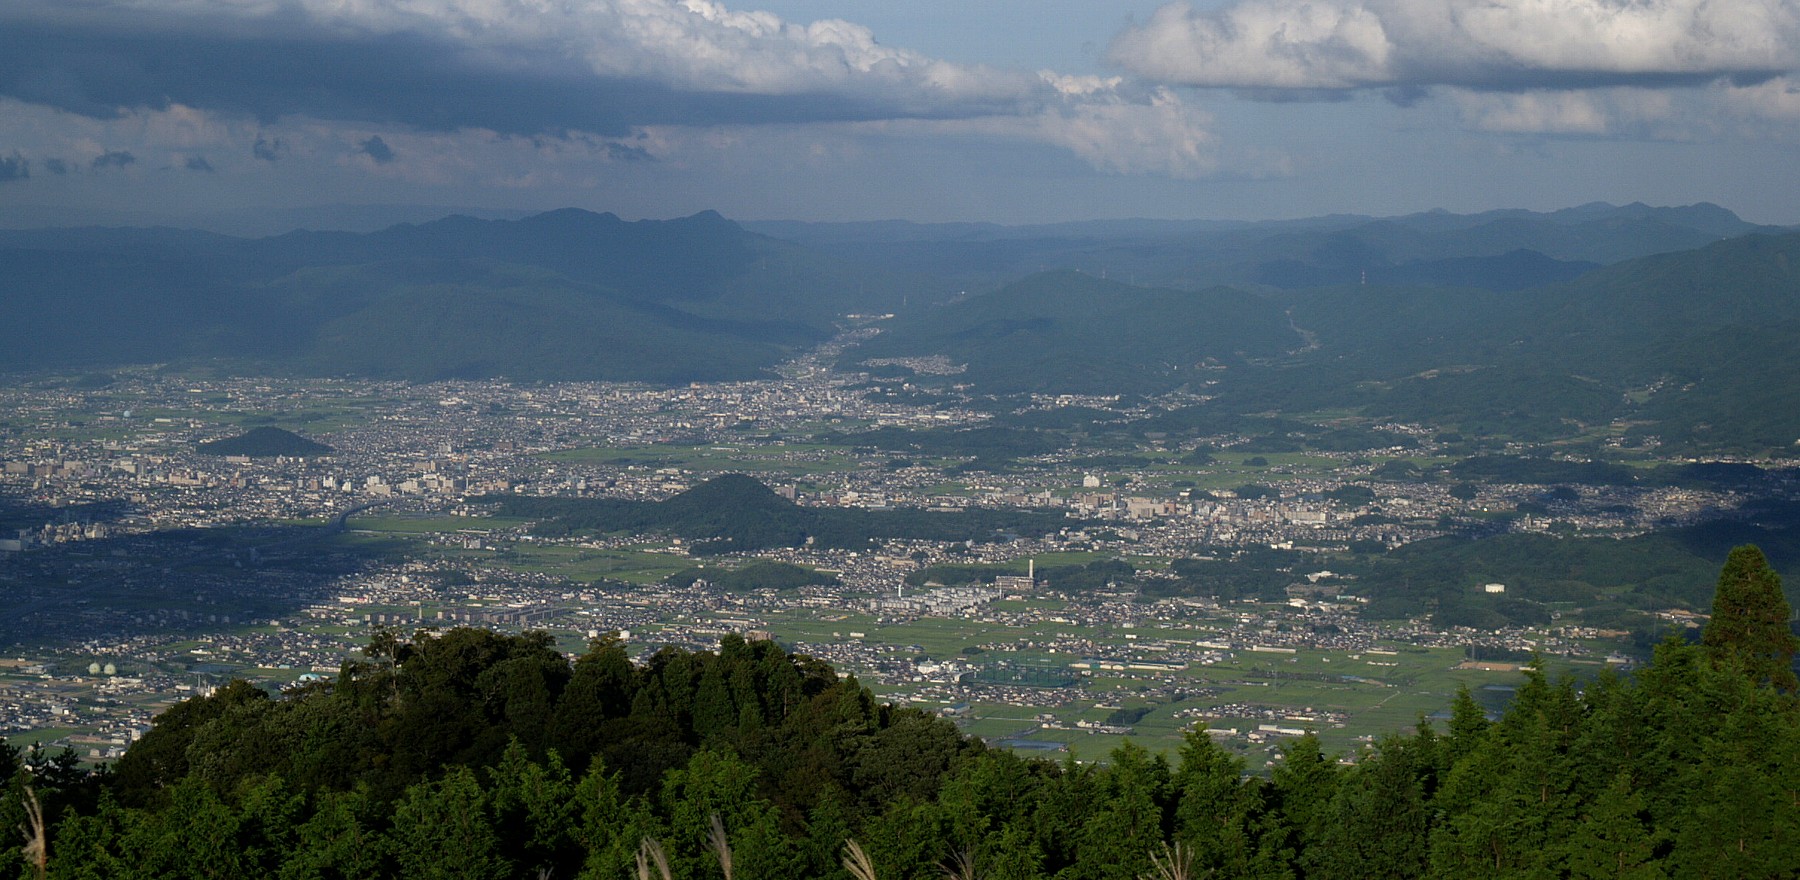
(96, 63)
(14, 167)
(598, 67)
(198, 163)
(97, 71)
(56, 166)
(377, 149)
(113, 159)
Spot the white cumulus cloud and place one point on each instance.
(1163, 136)
(1482, 44)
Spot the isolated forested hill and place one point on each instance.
(736, 513)
(265, 442)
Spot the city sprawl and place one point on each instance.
(141, 571)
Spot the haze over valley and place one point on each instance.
(1483, 449)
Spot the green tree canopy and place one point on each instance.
(1749, 623)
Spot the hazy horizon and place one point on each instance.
(372, 218)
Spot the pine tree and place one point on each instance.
(1749, 623)
(1378, 820)
(1301, 787)
(442, 830)
(609, 826)
(1468, 724)
(827, 826)
(1127, 822)
(536, 804)
(1613, 842)
(338, 840)
(1736, 818)
(1212, 801)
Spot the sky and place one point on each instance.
(254, 115)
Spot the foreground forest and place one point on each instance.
(474, 754)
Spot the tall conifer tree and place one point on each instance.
(1750, 620)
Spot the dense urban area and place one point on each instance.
(146, 566)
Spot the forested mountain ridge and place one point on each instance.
(1693, 348)
(1703, 338)
(1432, 319)
(1505, 249)
(454, 754)
(563, 295)
(1070, 332)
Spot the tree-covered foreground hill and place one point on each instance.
(474, 754)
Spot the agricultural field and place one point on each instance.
(1345, 697)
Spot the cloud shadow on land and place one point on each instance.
(165, 582)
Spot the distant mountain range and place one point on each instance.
(1672, 322)
(1695, 347)
(1496, 250)
(563, 295)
